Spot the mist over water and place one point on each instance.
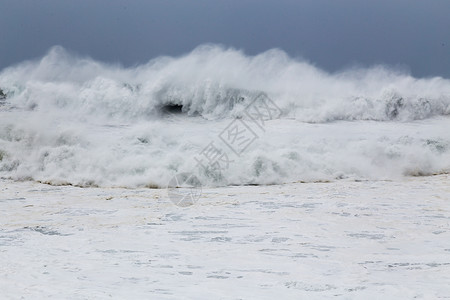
(73, 120)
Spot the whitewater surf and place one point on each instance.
(72, 120)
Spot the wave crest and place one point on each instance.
(212, 82)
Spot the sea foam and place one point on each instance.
(73, 120)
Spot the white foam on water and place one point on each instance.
(73, 120)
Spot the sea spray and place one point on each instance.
(72, 120)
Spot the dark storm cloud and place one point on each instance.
(333, 34)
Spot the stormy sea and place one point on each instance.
(219, 175)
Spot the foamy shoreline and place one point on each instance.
(314, 240)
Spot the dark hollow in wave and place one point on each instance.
(171, 108)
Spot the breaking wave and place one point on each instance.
(72, 120)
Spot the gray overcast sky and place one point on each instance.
(332, 34)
